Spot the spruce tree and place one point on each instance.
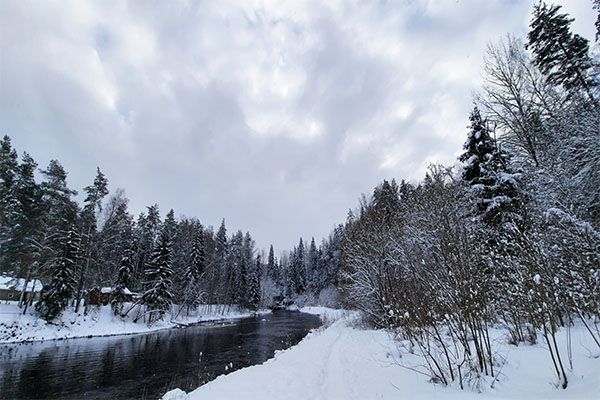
(170, 225)
(298, 266)
(312, 268)
(272, 270)
(158, 298)
(122, 282)
(253, 296)
(492, 182)
(61, 288)
(194, 272)
(561, 56)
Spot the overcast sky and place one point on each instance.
(275, 115)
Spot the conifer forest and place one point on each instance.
(452, 278)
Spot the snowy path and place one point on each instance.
(341, 362)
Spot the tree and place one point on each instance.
(222, 276)
(147, 230)
(253, 299)
(487, 171)
(235, 276)
(57, 293)
(116, 238)
(312, 267)
(272, 270)
(92, 204)
(122, 282)
(170, 225)
(195, 271)
(560, 55)
(597, 7)
(27, 234)
(517, 99)
(9, 207)
(298, 269)
(158, 297)
(61, 210)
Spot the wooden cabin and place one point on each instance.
(104, 295)
(11, 287)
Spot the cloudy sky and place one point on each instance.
(275, 115)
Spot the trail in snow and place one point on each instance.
(341, 362)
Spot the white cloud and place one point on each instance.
(275, 115)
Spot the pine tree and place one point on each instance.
(8, 172)
(61, 288)
(116, 238)
(10, 211)
(92, 204)
(158, 298)
(195, 271)
(152, 224)
(147, 229)
(122, 282)
(198, 261)
(272, 270)
(254, 286)
(560, 55)
(221, 241)
(28, 228)
(61, 210)
(298, 269)
(312, 268)
(237, 266)
(170, 225)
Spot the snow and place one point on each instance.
(344, 362)
(11, 283)
(100, 321)
(106, 290)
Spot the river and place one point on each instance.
(145, 366)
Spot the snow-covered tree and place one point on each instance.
(122, 282)
(61, 288)
(562, 56)
(194, 272)
(158, 297)
(254, 290)
(88, 221)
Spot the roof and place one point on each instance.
(110, 290)
(12, 283)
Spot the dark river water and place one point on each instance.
(145, 366)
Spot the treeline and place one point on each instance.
(45, 234)
(509, 238)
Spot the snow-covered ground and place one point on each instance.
(100, 321)
(343, 362)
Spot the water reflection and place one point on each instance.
(145, 366)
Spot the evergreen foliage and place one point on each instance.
(158, 297)
(57, 293)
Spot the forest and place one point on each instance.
(507, 236)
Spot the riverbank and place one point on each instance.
(100, 321)
(340, 361)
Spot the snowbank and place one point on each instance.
(342, 362)
(100, 321)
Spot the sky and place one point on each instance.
(275, 115)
